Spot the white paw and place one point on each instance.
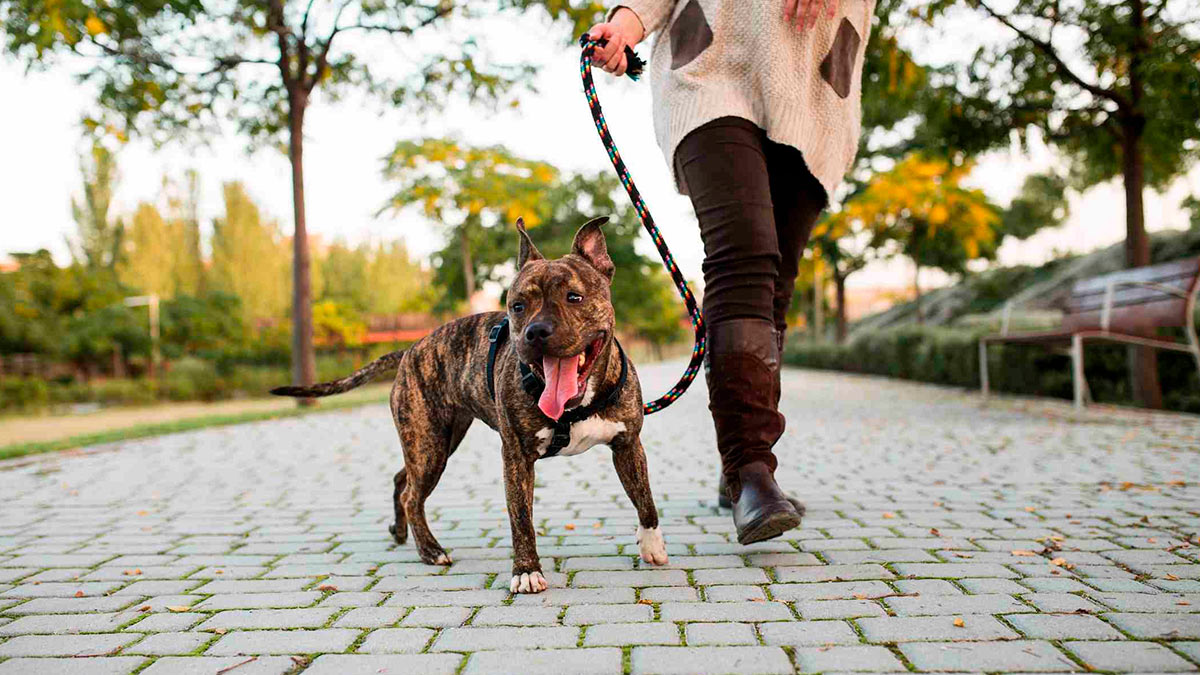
(443, 559)
(651, 545)
(532, 582)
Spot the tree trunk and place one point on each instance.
(1143, 361)
(818, 302)
(917, 292)
(839, 281)
(304, 365)
(464, 242)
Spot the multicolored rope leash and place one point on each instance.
(634, 70)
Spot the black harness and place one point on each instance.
(534, 385)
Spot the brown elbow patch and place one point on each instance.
(838, 67)
(690, 35)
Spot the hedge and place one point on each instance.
(950, 356)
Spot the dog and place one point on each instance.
(548, 374)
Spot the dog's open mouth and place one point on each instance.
(565, 379)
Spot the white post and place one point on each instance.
(983, 369)
(155, 352)
(1077, 369)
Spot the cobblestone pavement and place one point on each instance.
(942, 535)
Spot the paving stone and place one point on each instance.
(992, 586)
(1063, 627)
(95, 644)
(162, 644)
(670, 594)
(167, 623)
(808, 633)
(1016, 656)
(259, 601)
(725, 611)
(1061, 602)
(859, 658)
(634, 579)
(112, 665)
(426, 664)
(516, 616)
(725, 577)
(207, 665)
(626, 634)
(396, 641)
(925, 587)
(592, 614)
(436, 617)
(907, 629)
(691, 660)
(546, 662)
(833, 590)
(559, 597)
(43, 624)
(812, 573)
(269, 618)
(471, 639)
(953, 570)
(956, 604)
(284, 641)
(1157, 626)
(837, 609)
(707, 634)
(1124, 657)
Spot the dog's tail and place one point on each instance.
(359, 378)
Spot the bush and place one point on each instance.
(950, 356)
(21, 393)
(190, 379)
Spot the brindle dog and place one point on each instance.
(561, 326)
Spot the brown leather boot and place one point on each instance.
(742, 366)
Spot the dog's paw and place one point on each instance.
(651, 545)
(436, 557)
(533, 582)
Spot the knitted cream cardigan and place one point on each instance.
(717, 58)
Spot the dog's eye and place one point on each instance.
(518, 307)
(574, 297)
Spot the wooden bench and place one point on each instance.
(1125, 306)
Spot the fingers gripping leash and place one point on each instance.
(634, 70)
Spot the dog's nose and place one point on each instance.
(538, 332)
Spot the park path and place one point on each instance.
(942, 535)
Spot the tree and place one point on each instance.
(467, 189)
(149, 261)
(921, 208)
(187, 267)
(487, 189)
(168, 66)
(344, 275)
(248, 257)
(398, 284)
(1112, 83)
(97, 243)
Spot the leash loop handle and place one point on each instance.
(634, 70)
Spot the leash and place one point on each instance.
(634, 70)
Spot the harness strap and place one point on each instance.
(496, 335)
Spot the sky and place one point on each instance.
(346, 140)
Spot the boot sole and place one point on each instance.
(724, 502)
(769, 526)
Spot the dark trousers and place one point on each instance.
(757, 203)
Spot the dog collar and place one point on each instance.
(534, 386)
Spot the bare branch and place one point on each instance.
(304, 21)
(276, 24)
(323, 57)
(1060, 65)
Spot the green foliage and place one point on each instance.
(98, 239)
(249, 257)
(1041, 203)
(950, 356)
(337, 324)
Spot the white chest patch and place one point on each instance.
(584, 435)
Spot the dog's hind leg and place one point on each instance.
(399, 528)
(629, 459)
(425, 453)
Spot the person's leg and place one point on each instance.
(725, 169)
(799, 199)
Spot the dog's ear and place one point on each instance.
(590, 245)
(528, 250)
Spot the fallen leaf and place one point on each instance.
(1024, 554)
(959, 622)
(860, 596)
(889, 515)
(144, 608)
(963, 555)
(645, 601)
(934, 531)
(1183, 603)
(939, 503)
(1058, 537)
(220, 631)
(1172, 577)
(1058, 562)
(596, 525)
(1031, 509)
(300, 660)
(143, 513)
(219, 572)
(326, 587)
(1152, 540)
(79, 594)
(569, 526)
(178, 608)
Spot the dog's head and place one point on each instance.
(561, 314)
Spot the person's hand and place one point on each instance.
(625, 29)
(805, 13)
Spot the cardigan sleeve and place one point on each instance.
(652, 13)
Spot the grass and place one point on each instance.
(159, 428)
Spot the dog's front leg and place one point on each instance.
(629, 458)
(518, 491)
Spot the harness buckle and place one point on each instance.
(494, 333)
(561, 438)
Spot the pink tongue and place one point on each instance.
(562, 384)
